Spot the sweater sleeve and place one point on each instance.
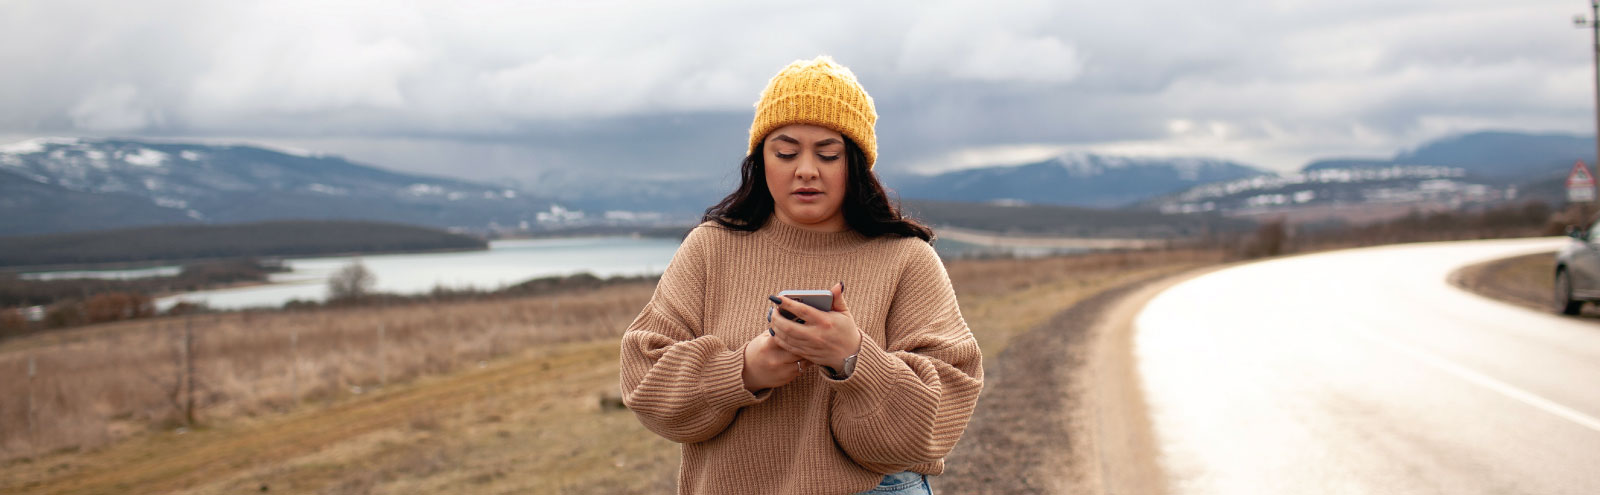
(907, 403)
(681, 383)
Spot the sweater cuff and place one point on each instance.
(866, 382)
(722, 385)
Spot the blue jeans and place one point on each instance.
(902, 483)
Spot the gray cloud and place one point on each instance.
(521, 88)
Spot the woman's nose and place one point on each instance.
(807, 169)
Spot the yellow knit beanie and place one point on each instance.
(817, 92)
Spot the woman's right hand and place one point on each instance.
(767, 366)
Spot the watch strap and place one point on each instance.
(843, 373)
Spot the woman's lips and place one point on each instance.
(808, 196)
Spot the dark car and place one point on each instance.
(1578, 270)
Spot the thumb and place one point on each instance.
(838, 298)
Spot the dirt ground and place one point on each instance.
(542, 420)
(1079, 363)
(1526, 281)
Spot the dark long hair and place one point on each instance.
(867, 207)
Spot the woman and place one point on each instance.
(868, 396)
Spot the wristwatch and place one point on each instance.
(844, 372)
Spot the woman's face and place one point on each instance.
(806, 173)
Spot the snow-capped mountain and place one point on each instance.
(1450, 172)
(1076, 179)
(1393, 184)
(70, 184)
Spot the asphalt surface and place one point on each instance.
(1365, 371)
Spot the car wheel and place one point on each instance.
(1564, 302)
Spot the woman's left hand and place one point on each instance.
(826, 337)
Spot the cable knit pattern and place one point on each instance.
(914, 388)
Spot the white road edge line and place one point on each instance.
(1484, 381)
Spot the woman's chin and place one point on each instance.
(809, 216)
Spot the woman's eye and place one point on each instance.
(786, 157)
(828, 158)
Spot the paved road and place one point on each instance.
(1364, 371)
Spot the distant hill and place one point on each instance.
(1393, 184)
(1076, 179)
(1068, 221)
(30, 207)
(68, 184)
(1506, 157)
(1343, 163)
(1481, 168)
(190, 242)
(678, 200)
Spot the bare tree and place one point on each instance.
(354, 281)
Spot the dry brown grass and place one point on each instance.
(99, 384)
(530, 421)
(1527, 280)
(1002, 298)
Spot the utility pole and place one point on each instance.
(1593, 23)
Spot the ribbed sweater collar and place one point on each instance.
(805, 241)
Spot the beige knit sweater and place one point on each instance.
(915, 384)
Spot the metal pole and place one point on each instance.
(383, 365)
(1594, 27)
(294, 364)
(33, 435)
(188, 372)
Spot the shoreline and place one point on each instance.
(995, 239)
(144, 264)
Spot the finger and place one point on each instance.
(838, 297)
(795, 335)
(793, 350)
(783, 325)
(787, 349)
(799, 309)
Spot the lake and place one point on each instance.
(506, 262)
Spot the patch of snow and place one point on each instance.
(509, 194)
(173, 203)
(421, 189)
(559, 214)
(146, 157)
(327, 189)
(195, 215)
(303, 153)
(35, 145)
(10, 160)
(625, 216)
(96, 155)
(190, 155)
(58, 155)
(455, 195)
(34, 176)
(1188, 169)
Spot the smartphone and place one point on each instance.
(819, 299)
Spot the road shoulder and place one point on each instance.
(1062, 409)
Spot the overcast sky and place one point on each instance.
(491, 90)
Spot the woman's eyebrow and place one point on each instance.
(786, 139)
(828, 141)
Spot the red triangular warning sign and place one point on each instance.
(1580, 176)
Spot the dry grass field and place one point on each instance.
(494, 396)
(1527, 280)
(95, 385)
